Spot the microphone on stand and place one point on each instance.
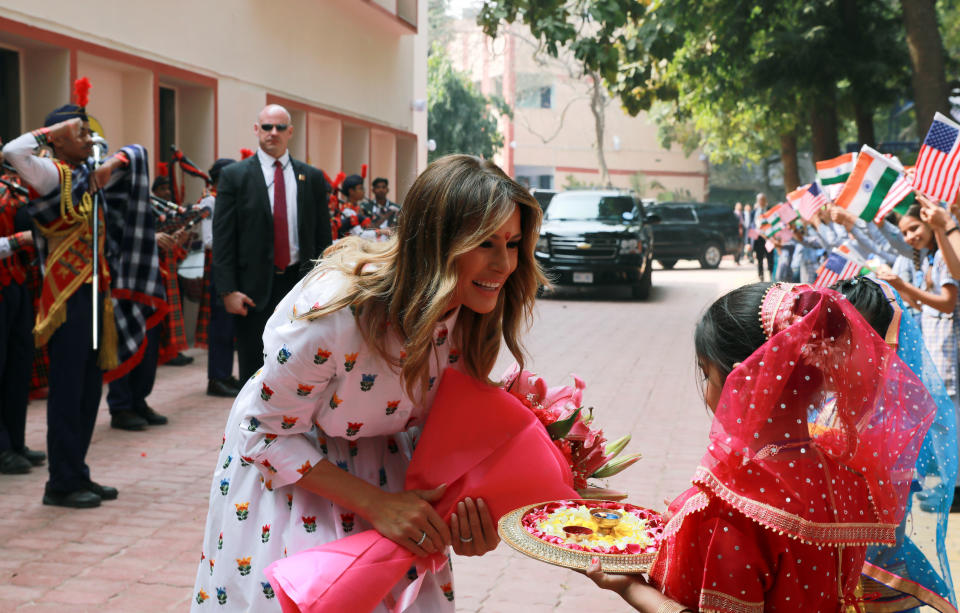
(101, 145)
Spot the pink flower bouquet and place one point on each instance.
(560, 410)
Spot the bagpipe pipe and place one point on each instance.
(172, 218)
(13, 187)
(187, 167)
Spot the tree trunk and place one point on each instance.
(926, 57)
(598, 106)
(788, 157)
(823, 125)
(863, 114)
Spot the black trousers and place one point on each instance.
(760, 250)
(16, 361)
(250, 327)
(220, 333)
(129, 392)
(76, 383)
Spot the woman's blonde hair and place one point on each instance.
(408, 282)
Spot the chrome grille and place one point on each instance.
(577, 247)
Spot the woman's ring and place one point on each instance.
(423, 537)
(463, 540)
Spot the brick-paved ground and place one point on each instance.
(139, 553)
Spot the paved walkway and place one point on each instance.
(139, 553)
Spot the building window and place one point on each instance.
(168, 122)
(540, 97)
(9, 94)
(545, 181)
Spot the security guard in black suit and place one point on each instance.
(271, 222)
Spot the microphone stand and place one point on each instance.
(96, 250)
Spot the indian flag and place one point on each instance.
(872, 179)
(833, 173)
(899, 199)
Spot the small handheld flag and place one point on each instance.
(938, 165)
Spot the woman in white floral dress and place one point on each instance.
(317, 443)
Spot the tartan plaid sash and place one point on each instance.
(130, 250)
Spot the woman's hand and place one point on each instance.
(472, 530)
(408, 519)
(933, 215)
(896, 282)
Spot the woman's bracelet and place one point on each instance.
(953, 229)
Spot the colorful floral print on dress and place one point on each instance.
(265, 392)
(309, 523)
(224, 486)
(243, 565)
(267, 589)
(265, 533)
(349, 360)
(202, 597)
(447, 591)
(283, 355)
(322, 356)
(335, 401)
(454, 356)
(346, 520)
(289, 422)
(353, 428)
(222, 595)
(366, 382)
(392, 407)
(243, 510)
(303, 390)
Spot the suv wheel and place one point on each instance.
(668, 264)
(711, 256)
(641, 291)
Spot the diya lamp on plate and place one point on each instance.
(577, 533)
(607, 519)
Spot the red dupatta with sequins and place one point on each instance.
(816, 434)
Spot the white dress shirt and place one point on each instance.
(290, 182)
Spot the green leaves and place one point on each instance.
(459, 118)
(559, 429)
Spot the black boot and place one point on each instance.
(12, 463)
(127, 420)
(150, 416)
(34, 457)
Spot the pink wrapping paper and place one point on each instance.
(479, 440)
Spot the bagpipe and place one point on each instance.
(172, 218)
(13, 187)
(187, 167)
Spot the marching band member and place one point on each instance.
(383, 210)
(131, 300)
(214, 325)
(16, 344)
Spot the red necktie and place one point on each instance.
(281, 242)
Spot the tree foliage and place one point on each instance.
(741, 79)
(459, 118)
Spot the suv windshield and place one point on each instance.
(574, 207)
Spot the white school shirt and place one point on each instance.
(290, 183)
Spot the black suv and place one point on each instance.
(695, 231)
(592, 237)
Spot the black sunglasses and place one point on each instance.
(268, 127)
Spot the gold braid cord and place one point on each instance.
(69, 265)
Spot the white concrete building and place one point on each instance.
(195, 74)
(550, 139)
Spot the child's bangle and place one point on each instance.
(953, 229)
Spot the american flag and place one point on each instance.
(899, 198)
(807, 200)
(836, 268)
(938, 165)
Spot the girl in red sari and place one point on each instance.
(817, 426)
